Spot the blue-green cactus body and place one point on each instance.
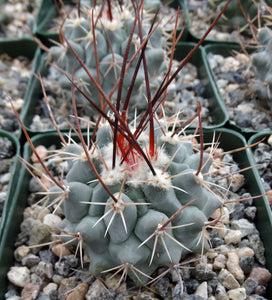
(262, 67)
(128, 228)
(111, 42)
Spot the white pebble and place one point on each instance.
(42, 152)
(234, 267)
(51, 220)
(237, 294)
(50, 287)
(219, 262)
(222, 214)
(233, 237)
(245, 251)
(202, 290)
(19, 276)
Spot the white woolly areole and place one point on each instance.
(159, 180)
(169, 139)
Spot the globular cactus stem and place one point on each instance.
(144, 220)
(101, 42)
(262, 67)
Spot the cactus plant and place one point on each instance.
(111, 37)
(261, 66)
(240, 13)
(149, 217)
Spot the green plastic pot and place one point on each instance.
(262, 135)
(229, 140)
(225, 50)
(48, 12)
(195, 37)
(18, 47)
(217, 109)
(13, 178)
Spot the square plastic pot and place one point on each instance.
(48, 12)
(231, 12)
(229, 140)
(14, 177)
(225, 51)
(262, 135)
(19, 47)
(216, 107)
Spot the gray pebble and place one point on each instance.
(246, 263)
(250, 284)
(162, 286)
(48, 256)
(65, 264)
(244, 226)
(203, 273)
(44, 270)
(250, 213)
(257, 245)
(30, 260)
(43, 296)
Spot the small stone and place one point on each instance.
(21, 252)
(161, 286)
(269, 140)
(61, 250)
(246, 264)
(260, 290)
(245, 251)
(48, 256)
(65, 264)
(41, 151)
(78, 292)
(30, 291)
(244, 226)
(19, 276)
(203, 273)
(219, 262)
(191, 285)
(269, 196)
(234, 267)
(233, 237)
(51, 220)
(50, 287)
(250, 213)
(250, 284)
(256, 244)
(202, 290)
(30, 260)
(237, 294)
(114, 283)
(220, 292)
(261, 275)
(221, 229)
(43, 296)
(44, 270)
(97, 290)
(216, 242)
(228, 280)
(57, 279)
(67, 284)
(237, 181)
(222, 213)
